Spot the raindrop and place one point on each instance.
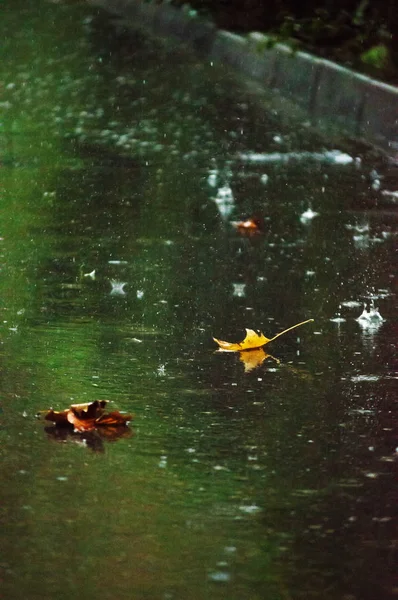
(351, 303)
(90, 275)
(213, 177)
(117, 262)
(224, 201)
(220, 576)
(362, 227)
(393, 194)
(162, 462)
(338, 318)
(370, 319)
(308, 215)
(239, 290)
(250, 509)
(117, 287)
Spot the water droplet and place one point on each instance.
(220, 576)
(239, 290)
(250, 509)
(308, 215)
(117, 288)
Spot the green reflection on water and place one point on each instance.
(226, 474)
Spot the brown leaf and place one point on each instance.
(83, 416)
(253, 340)
(87, 417)
(80, 424)
(113, 419)
(60, 418)
(90, 410)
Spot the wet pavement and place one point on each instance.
(126, 164)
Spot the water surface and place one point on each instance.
(123, 162)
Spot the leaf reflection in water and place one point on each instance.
(89, 439)
(254, 358)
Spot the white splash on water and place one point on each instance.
(393, 194)
(239, 290)
(362, 227)
(90, 275)
(308, 215)
(117, 262)
(225, 201)
(162, 464)
(338, 318)
(370, 319)
(334, 157)
(212, 179)
(250, 509)
(161, 370)
(351, 303)
(117, 287)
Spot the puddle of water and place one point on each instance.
(268, 477)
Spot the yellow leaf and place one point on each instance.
(253, 340)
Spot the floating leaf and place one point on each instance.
(252, 226)
(60, 418)
(253, 340)
(87, 417)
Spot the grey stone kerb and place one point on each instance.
(363, 107)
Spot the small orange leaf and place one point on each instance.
(252, 226)
(253, 339)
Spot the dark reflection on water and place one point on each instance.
(119, 263)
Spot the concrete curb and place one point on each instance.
(330, 94)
